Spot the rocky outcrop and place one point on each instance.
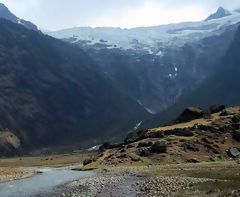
(10, 145)
(216, 108)
(189, 114)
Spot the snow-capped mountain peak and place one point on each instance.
(220, 13)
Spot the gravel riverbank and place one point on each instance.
(15, 173)
(126, 185)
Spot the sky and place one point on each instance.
(61, 14)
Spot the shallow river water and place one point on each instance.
(49, 179)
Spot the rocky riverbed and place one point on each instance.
(127, 185)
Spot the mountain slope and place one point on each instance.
(50, 92)
(221, 88)
(6, 14)
(154, 65)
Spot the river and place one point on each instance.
(46, 181)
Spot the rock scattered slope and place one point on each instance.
(210, 138)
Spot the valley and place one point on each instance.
(119, 111)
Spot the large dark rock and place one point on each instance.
(189, 114)
(236, 135)
(159, 147)
(216, 108)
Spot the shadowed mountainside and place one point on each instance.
(50, 93)
(220, 88)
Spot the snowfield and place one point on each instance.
(148, 39)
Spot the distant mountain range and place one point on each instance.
(157, 65)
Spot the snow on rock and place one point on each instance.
(137, 125)
(159, 53)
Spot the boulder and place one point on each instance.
(234, 153)
(189, 114)
(144, 152)
(134, 157)
(87, 161)
(216, 108)
(159, 147)
(236, 135)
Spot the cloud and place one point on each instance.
(59, 14)
(151, 13)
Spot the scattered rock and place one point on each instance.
(190, 146)
(233, 152)
(144, 152)
(134, 157)
(159, 147)
(216, 108)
